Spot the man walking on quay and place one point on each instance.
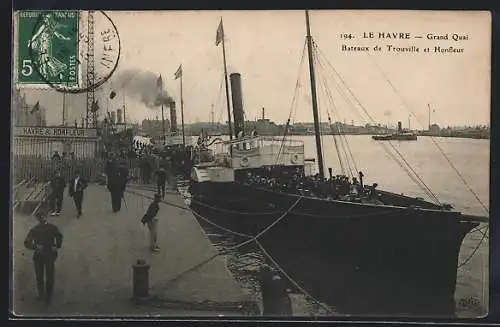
(150, 218)
(161, 178)
(109, 168)
(44, 239)
(57, 185)
(145, 168)
(76, 187)
(117, 183)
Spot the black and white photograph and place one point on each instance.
(252, 163)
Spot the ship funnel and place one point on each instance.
(400, 127)
(119, 116)
(173, 117)
(113, 117)
(239, 120)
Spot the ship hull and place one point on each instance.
(359, 259)
(394, 137)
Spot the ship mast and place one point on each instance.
(314, 98)
(429, 108)
(182, 107)
(220, 39)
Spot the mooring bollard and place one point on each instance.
(275, 298)
(140, 279)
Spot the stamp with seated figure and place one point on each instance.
(48, 48)
(55, 49)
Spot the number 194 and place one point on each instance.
(346, 36)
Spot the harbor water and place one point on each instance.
(456, 170)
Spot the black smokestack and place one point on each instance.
(119, 116)
(239, 120)
(173, 117)
(141, 85)
(400, 127)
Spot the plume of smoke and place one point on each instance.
(142, 85)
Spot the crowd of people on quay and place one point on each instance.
(142, 149)
(338, 187)
(64, 156)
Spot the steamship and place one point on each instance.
(400, 135)
(398, 256)
(183, 150)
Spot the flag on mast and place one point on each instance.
(220, 34)
(35, 108)
(178, 73)
(159, 82)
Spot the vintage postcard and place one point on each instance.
(309, 163)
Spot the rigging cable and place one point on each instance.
(339, 153)
(220, 101)
(432, 138)
(268, 213)
(420, 182)
(293, 106)
(343, 138)
(344, 141)
(345, 147)
(240, 245)
(440, 149)
(315, 67)
(336, 145)
(275, 263)
(473, 253)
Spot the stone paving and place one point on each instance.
(94, 267)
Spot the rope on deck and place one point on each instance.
(476, 248)
(240, 245)
(277, 266)
(465, 262)
(268, 213)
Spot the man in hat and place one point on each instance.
(150, 218)
(161, 178)
(145, 168)
(117, 182)
(57, 185)
(76, 187)
(109, 168)
(56, 156)
(44, 239)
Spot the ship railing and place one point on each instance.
(257, 142)
(257, 146)
(262, 139)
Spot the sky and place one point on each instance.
(266, 47)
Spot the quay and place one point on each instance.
(93, 271)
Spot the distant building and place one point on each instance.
(265, 127)
(434, 128)
(154, 128)
(136, 128)
(23, 114)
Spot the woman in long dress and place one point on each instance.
(42, 41)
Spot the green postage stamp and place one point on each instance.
(48, 48)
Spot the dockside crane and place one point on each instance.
(91, 112)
